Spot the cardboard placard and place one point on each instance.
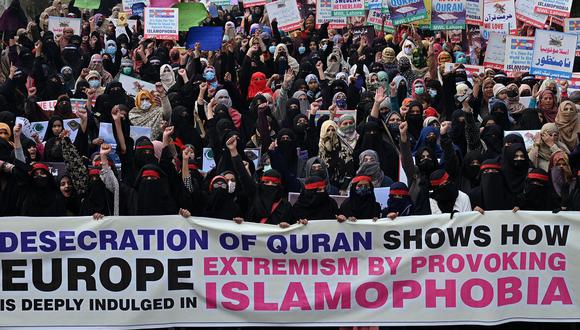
(554, 54)
(161, 23)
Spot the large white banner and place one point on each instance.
(166, 271)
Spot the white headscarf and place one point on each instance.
(167, 78)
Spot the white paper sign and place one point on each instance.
(554, 54)
(495, 52)
(324, 14)
(499, 16)
(162, 23)
(518, 54)
(57, 24)
(474, 12)
(131, 23)
(286, 14)
(131, 85)
(525, 13)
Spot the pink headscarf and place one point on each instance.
(548, 113)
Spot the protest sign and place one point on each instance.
(88, 4)
(77, 104)
(572, 26)
(190, 14)
(208, 162)
(363, 31)
(525, 13)
(518, 54)
(57, 169)
(161, 23)
(382, 196)
(138, 9)
(499, 16)
(425, 23)
(474, 12)
(133, 85)
(553, 54)
(448, 14)
(202, 272)
(57, 24)
(324, 14)
(253, 3)
(373, 4)
(209, 37)
(47, 105)
(495, 52)
(128, 5)
(106, 133)
(560, 8)
(376, 19)
(470, 70)
(348, 8)
(286, 14)
(120, 29)
(162, 3)
(39, 127)
(527, 135)
(139, 131)
(406, 11)
(389, 27)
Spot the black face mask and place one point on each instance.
(41, 182)
(427, 166)
(521, 164)
(301, 128)
(319, 173)
(471, 171)
(512, 93)
(415, 118)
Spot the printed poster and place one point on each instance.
(518, 55)
(554, 54)
(560, 8)
(348, 8)
(133, 85)
(448, 14)
(286, 13)
(120, 29)
(495, 52)
(572, 26)
(525, 13)
(425, 23)
(406, 11)
(474, 12)
(324, 14)
(500, 16)
(373, 4)
(162, 23)
(376, 19)
(128, 4)
(57, 24)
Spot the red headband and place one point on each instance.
(94, 171)
(578, 173)
(440, 181)
(40, 166)
(490, 166)
(271, 179)
(400, 192)
(538, 176)
(150, 174)
(99, 163)
(147, 146)
(315, 185)
(192, 166)
(360, 178)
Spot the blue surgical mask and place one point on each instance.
(94, 83)
(209, 75)
(301, 50)
(272, 49)
(111, 50)
(432, 92)
(214, 85)
(127, 70)
(461, 60)
(419, 90)
(341, 103)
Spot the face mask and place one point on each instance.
(301, 50)
(419, 90)
(214, 85)
(145, 105)
(362, 191)
(272, 49)
(94, 83)
(512, 93)
(111, 50)
(408, 51)
(414, 118)
(323, 47)
(267, 168)
(231, 187)
(432, 93)
(319, 173)
(426, 166)
(209, 76)
(393, 127)
(348, 129)
(341, 103)
(41, 181)
(301, 127)
(462, 60)
(127, 70)
(521, 164)
(67, 76)
(471, 171)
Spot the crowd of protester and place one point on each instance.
(442, 130)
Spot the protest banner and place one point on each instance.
(133, 85)
(572, 26)
(88, 4)
(448, 14)
(167, 271)
(161, 23)
(495, 52)
(253, 3)
(348, 8)
(525, 13)
(324, 14)
(560, 8)
(209, 37)
(553, 54)
(406, 11)
(425, 23)
(474, 12)
(128, 5)
(377, 19)
(191, 14)
(57, 24)
(47, 105)
(373, 4)
(518, 54)
(499, 16)
(339, 199)
(286, 13)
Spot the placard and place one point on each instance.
(519, 53)
(208, 162)
(162, 23)
(500, 16)
(57, 24)
(366, 31)
(448, 14)
(425, 23)
(554, 54)
(572, 26)
(560, 8)
(527, 135)
(209, 37)
(495, 52)
(376, 19)
(373, 4)
(348, 8)
(324, 14)
(132, 85)
(406, 11)
(128, 4)
(286, 14)
(525, 13)
(119, 29)
(474, 12)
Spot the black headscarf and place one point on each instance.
(492, 193)
(41, 197)
(515, 171)
(492, 136)
(144, 153)
(537, 192)
(268, 206)
(220, 203)
(182, 120)
(361, 205)
(154, 196)
(529, 120)
(445, 194)
(457, 132)
(403, 205)
(314, 205)
(98, 198)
